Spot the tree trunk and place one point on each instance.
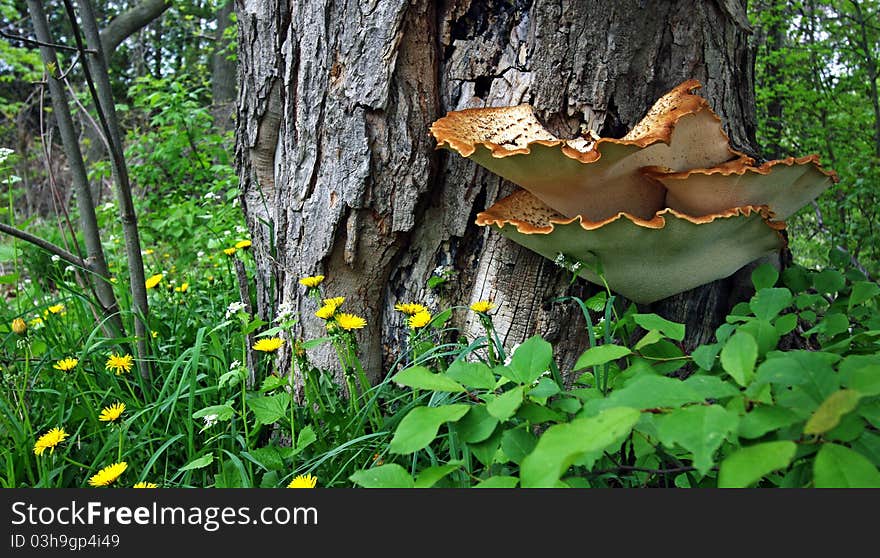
(340, 177)
(223, 72)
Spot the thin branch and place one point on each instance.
(45, 245)
(36, 43)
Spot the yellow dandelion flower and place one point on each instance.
(420, 320)
(66, 364)
(268, 344)
(326, 312)
(154, 280)
(112, 413)
(229, 251)
(119, 363)
(182, 288)
(349, 322)
(482, 306)
(56, 308)
(303, 481)
(410, 308)
(154, 334)
(108, 474)
(335, 301)
(311, 282)
(36, 322)
(49, 440)
(19, 327)
(143, 484)
(243, 244)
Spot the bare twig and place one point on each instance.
(72, 259)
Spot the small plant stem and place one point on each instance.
(119, 452)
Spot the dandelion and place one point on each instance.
(143, 484)
(49, 440)
(148, 252)
(119, 364)
(112, 413)
(419, 320)
(268, 344)
(311, 282)
(335, 301)
(108, 474)
(66, 364)
(482, 306)
(410, 309)
(154, 280)
(349, 322)
(36, 323)
(56, 308)
(326, 312)
(303, 481)
(19, 326)
(154, 334)
(229, 251)
(243, 244)
(182, 288)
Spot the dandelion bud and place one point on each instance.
(19, 326)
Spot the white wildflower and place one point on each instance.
(55, 258)
(285, 311)
(69, 269)
(200, 254)
(210, 420)
(234, 309)
(234, 365)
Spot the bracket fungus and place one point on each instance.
(666, 208)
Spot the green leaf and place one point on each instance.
(829, 281)
(419, 427)
(647, 392)
(390, 475)
(517, 443)
(649, 339)
(498, 482)
(840, 467)
(862, 291)
(829, 413)
(269, 457)
(600, 355)
(305, 438)
(792, 368)
(198, 463)
(704, 356)
(429, 477)
(420, 377)
(764, 276)
(503, 406)
(546, 388)
(476, 425)
(710, 387)
(747, 466)
(531, 359)
(472, 374)
(222, 412)
(768, 303)
(786, 324)
(650, 322)
(762, 420)
(738, 357)
(764, 333)
(271, 382)
(562, 444)
(698, 429)
(865, 380)
(269, 409)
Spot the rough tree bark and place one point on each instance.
(339, 174)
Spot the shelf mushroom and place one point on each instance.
(668, 207)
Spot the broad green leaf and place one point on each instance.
(868, 445)
(828, 281)
(472, 374)
(710, 387)
(503, 406)
(650, 322)
(764, 333)
(419, 427)
(748, 465)
(419, 377)
(785, 324)
(273, 382)
(704, 356)
(698, 429)
(793, 368)
(476, 425)
(829, 413)
(862, 291)
(738, 357)
(764, 276)
(498, 482)
(531, 359)
(546, 387)
(647, 392)
(600, 355)
(764, 419)
(562, 444)
(517, 443)
(649, 339)
(220, 412)
(796, 278)
(269, 409)
(305, 438)
(198, 463)
(390, 475)
(269, 457)
(840, 467)
(864, 379)
(429, 477)
(768, 303)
